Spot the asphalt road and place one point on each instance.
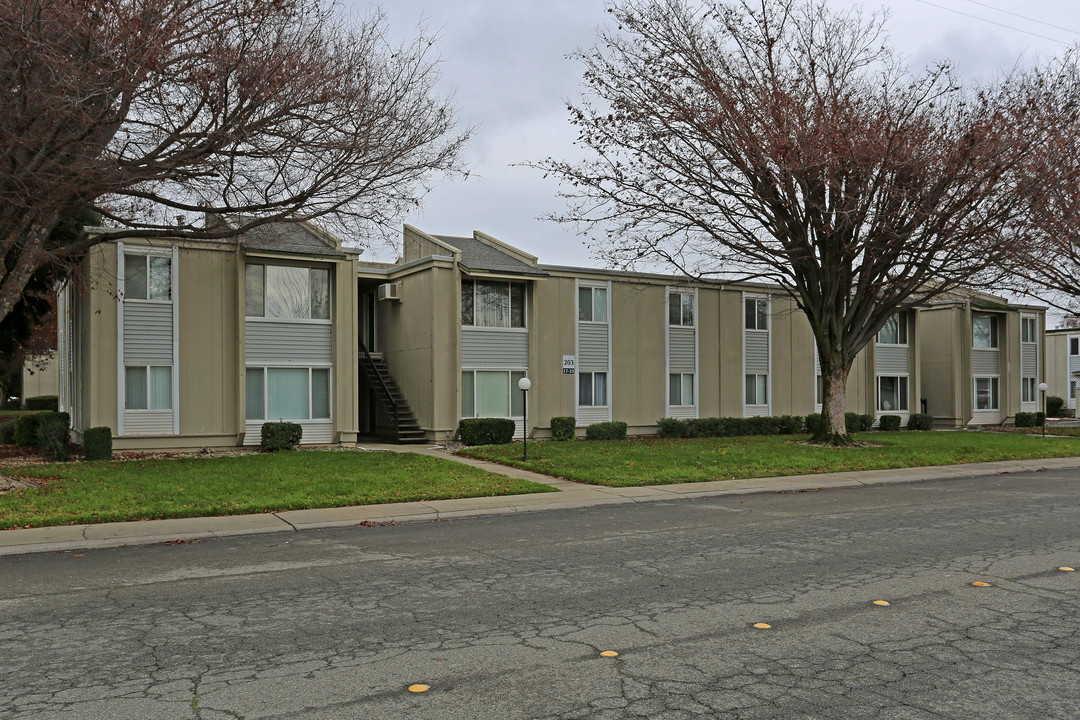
(506, 617)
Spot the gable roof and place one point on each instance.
(293, 237)
(478, 255)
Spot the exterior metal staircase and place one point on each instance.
(406, 427)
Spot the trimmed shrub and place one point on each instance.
(26, 426)
(43, 402)
(7, 433)
(54, 436)
(703, 427)
(791, 424)
(97, 443)
(763, 425)
(615, 430)
(486, 431)
(889, 423)
(920, 421)
(281, 436)
(813, 420)
(671, 428)
(563, 427)
(1026, 419)
(1054, 405)
(1040, 419)
(858, 423)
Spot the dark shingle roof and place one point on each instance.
(476, 255)
(289, 237)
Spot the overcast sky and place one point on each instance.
(505, 61)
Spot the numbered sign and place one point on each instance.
(569, 364)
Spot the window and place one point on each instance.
(1027, 330)
(985, 331)
(592, 304)
(681, 389)
(892, 393)
(819, 390)
(492, 303)
(986, 393)
(147, 387)
(592, 389)
(147, 277)
(287, 293)
(491, 393)
(757, 389)
(681, 309)
(1074, 346)
(1027, 390)
(288, 393)
(894, 331)
(757, 313)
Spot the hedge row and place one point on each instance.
(1030, 419)
(486, 431)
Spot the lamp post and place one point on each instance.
(524, 384)
(1042, 389)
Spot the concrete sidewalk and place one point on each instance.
(570, 495)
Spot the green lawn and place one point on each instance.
(194, 487)
(652, 461)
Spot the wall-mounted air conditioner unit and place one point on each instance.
(390, 291)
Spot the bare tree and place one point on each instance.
(151, 112)
(784, 141)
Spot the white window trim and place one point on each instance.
(877, 394)
(299, 321)
(768, 331)
(692, 292)
(681, 376)
(174, 272)
(578, 284)
(697, 350)
(994, 322)
(509, 309)
(577, 301)
(293, 366)
(512, 388)
(1034, 319)
(577, 388)
(1034, 385)
(907, 331)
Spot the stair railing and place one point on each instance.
(390, 405)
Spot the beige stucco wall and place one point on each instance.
(942, 363)
(552, 326)
(41, 376)
(1057, 365)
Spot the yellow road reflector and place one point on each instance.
(418, 687)
(881, 602)
(762, 626)
(1067, 569)
(609, 653)
(980, 583)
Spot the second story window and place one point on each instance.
(493, 303)
(894, 331)
(592, 304)
(147, 277)
(285, 292)
(984, 331)
(757, 313)
(1027, 330)
(681, 309)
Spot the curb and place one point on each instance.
(570, 496)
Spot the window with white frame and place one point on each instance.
(986, 393)
(757, 313)
(592, 389)
(892, 393)
(148, 387)
(492, 303)
(894, 331)
(1027, 330)
(147, 277)
(1027, 389)
(681, 389)
(984, 331)
(819, 390)
(592, 304)
(1074, 346)
(491, 393)
(286, 292)
(681, 309)
(288, 393)
(757, 389)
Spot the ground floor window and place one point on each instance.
(147, 387)
(1027, 390)
(986, 393)
(892, 393)
(288, 393)
(819, 390)
(592, 389)
(681, 389)
(491, 393)
(757, 389)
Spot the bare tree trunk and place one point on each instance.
(833, 426)
(29, 259)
